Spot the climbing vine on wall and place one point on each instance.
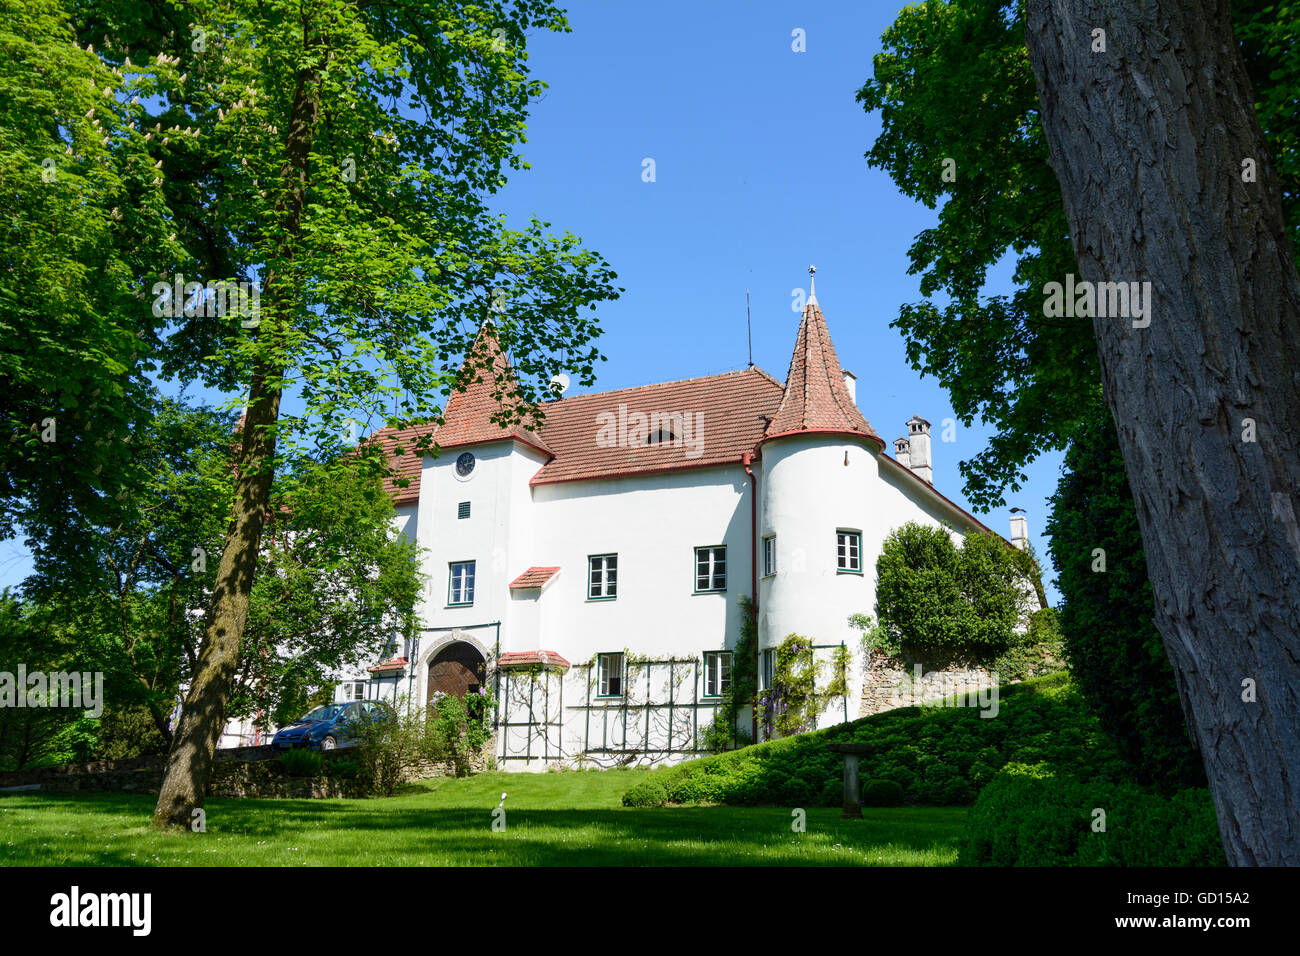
(793, 703)
(723, 733)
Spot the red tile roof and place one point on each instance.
(392, 664)
(713, 420)
(533, 578)
(524, 658)
(816, 398)
(740, 409)
(468, 416)
(400, 447)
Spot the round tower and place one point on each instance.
(818, 458)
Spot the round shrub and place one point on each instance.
(648, 793)
(881, 793)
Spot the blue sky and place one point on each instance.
(759, 172)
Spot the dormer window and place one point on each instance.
(661, 437)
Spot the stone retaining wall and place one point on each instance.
(238, 772)
(891, 682)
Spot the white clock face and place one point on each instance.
(465, 465)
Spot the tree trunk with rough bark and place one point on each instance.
(194, 745)
(1154, 140)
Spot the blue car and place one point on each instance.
(330, 727)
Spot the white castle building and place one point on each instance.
(590, 573)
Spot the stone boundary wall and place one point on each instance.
(237, 772)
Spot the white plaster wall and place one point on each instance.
(497, 537)
(653, 523)
(405, 521)
(806, 495)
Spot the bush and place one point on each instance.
(128, 730)
(652, 793)
(390, 750)
(463, 725)
(881, 793)
(301, 763)
(1030, 816)
(1114, 651)
(932, 596)
(938, 755)
(1039, 651)
(346, 769)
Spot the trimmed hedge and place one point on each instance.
(937, 755)
(881, 793)
(1030, 816)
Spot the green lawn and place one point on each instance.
(551, 819)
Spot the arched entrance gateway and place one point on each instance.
(458, 669)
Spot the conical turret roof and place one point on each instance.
(816, 400)
(468, 416)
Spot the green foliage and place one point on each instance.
(464, 725)
(390, 750)
(876, 638)
(1032, 378)
(130, 594)
(933, 597)
(452, 730)
(938, 755)
(128, 730)
(723, 732)
(1115, 653)
(334, 586)
(344, 769)
(39, 736)
(301, 763)
(1038, 651)
(84, 220)
(341, 156)
(1034, 816)
(881, 793)
(793, 703)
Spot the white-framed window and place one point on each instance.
(848, 550)
(711, 568)
(602, 579)
(610, 667)
(460, 583)
(717, 673)
(355, 690)
(769, 555)
(768, 668)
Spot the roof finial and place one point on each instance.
(812, 285)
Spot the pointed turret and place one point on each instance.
(816, 398)
(468, 417)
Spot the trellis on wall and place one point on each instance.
(656, 716)
(536, 694)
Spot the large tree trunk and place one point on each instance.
(1148, 140)
(189, 763)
